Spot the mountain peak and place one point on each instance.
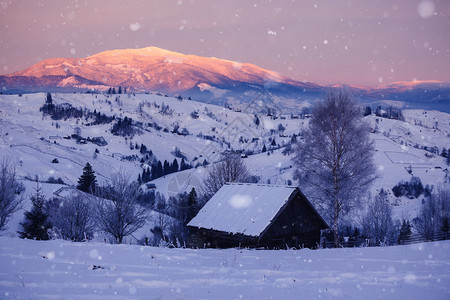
(147, 51)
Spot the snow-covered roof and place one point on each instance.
(242, 208)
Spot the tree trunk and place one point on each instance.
(335, 224)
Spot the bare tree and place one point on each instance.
(334, 156)
(11, 191)
(434, 215)
(378, 225)
(231, 168)
(73, 217)
(118, 211)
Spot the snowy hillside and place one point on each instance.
(172, 128)
(60, 269)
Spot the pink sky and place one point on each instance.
(325, 42)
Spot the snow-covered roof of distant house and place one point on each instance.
(243, 208)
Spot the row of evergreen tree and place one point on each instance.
(112, 90)
(66, 111)
(159, 169)
(389, 113)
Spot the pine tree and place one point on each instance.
(405, 231)
(49, 99)
(143, 149)
(87, 181)
(264, 149)
(183, 165)
(256, 120)
(146, 177)
(192, 205)
(35, 225)
(166, 168)
(175, 165)
(294, 138)
(157, 170)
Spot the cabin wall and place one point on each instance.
(204, 238)
(297, 226)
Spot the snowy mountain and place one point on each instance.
(170, 128)
(155, 69)
(210, 80)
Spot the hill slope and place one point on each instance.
(34, 141)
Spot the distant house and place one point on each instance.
(256, 215)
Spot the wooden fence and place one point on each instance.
(411, 239)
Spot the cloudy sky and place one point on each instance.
(324, 41)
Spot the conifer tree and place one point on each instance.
(166, 168)
(49, 99)
(183, 165)
(192, 205)
(405, 231)
(175, 165)
(35, 224)
(87, 181)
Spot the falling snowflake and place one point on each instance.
(135, 26)
(426, 9)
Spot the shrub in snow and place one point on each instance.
(411, 189)
(72, 217)
(433, 219)
(231, 168)
(10, 193)
(378, 225)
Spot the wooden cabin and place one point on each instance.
(257, 215)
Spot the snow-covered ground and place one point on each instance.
(64, 270)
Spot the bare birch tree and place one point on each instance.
(10, 193)
(118, 211)
(334, 156)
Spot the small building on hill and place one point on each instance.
(257, 215)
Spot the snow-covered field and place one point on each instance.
(64, 270)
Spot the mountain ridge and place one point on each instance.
(206, 79)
